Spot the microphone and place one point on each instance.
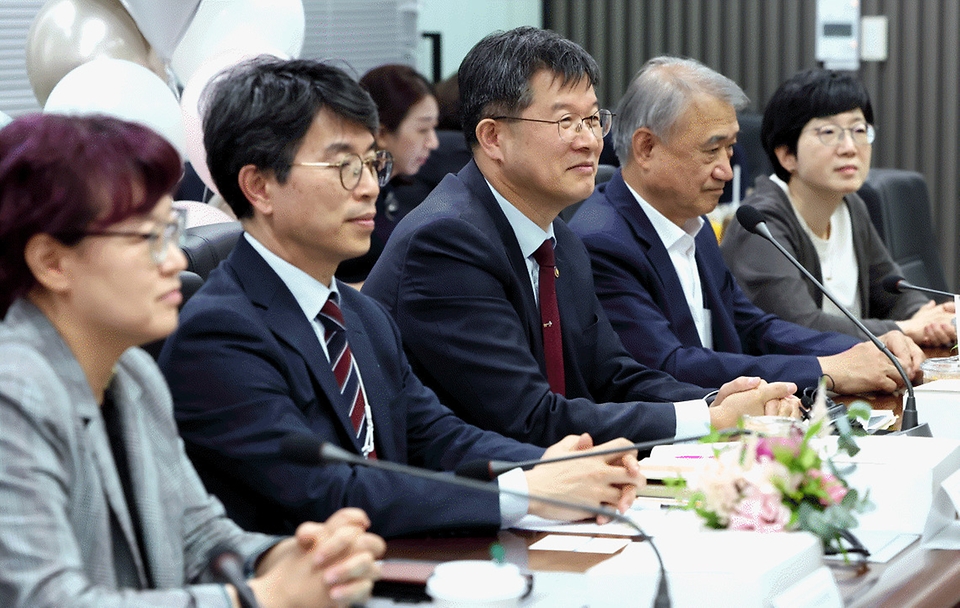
(491, 469)
(227, 567)
(897, 284)
(307, 450)
(753, 221)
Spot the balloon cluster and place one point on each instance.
(130, 58)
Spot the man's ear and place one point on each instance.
(788, 160)
(489, 137)
(256, 186)
(643, 143)
(45, 257)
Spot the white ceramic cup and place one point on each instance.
(476, 584)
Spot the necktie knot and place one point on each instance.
(331, 312)
(544, 254)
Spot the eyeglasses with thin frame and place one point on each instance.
(351, 168)
(160, 238)
(571, 125)
(862, 134)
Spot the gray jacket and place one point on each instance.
(66, 536)
(775, 285)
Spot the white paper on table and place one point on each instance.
(879, 420)
(651, 521)
(942, 530)
(580, 544)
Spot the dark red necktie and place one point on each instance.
(345, 370)
(550, 316)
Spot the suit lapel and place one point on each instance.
(725, 336)
(89, 423)
(142, 461)
(471, 176)
(285, 319)
(650, 242)
(112, 488)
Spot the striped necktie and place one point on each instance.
(346, 372)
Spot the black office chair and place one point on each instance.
(190, 282)
(207, 246)
(754, 160)
(906, 224)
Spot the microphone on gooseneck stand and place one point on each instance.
(897, 284)
(225, 564)
(753, 221)
(307, 450)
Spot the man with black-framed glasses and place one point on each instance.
(272, 345)
(493, 294)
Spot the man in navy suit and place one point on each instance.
(657, 268)
(461, 279)
(290, 145)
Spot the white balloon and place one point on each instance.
(220, 25)
(122, 89)
(190, 104)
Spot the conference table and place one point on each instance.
(916, 577)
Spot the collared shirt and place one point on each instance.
(682, 248)
(311, 295)
(692, 416)
(529, 236)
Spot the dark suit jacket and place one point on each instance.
(639, 288)
(457, 284)
(246, 369)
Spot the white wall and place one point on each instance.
(464, 22)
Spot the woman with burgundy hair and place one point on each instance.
(100, 505)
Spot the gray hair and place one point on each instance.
(660, 93)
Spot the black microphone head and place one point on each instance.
(749, 218)
(303, 449)
(891, 283)
(476, 469)
(224, 560)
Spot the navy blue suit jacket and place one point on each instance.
(454, 279)
(246, 369)
(639, 288)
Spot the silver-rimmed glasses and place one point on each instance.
(351, 168)
(159, 238)
(862, 134)
(571, 125)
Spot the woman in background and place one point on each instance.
(817, 131)
(408, 113)
(100, 505)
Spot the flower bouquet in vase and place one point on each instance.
(782, 483)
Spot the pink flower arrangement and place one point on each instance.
(760, 511)
(775, 484)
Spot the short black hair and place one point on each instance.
(810, 94)
(258, 112)
(494, 77)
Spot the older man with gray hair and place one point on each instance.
(657, 268)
